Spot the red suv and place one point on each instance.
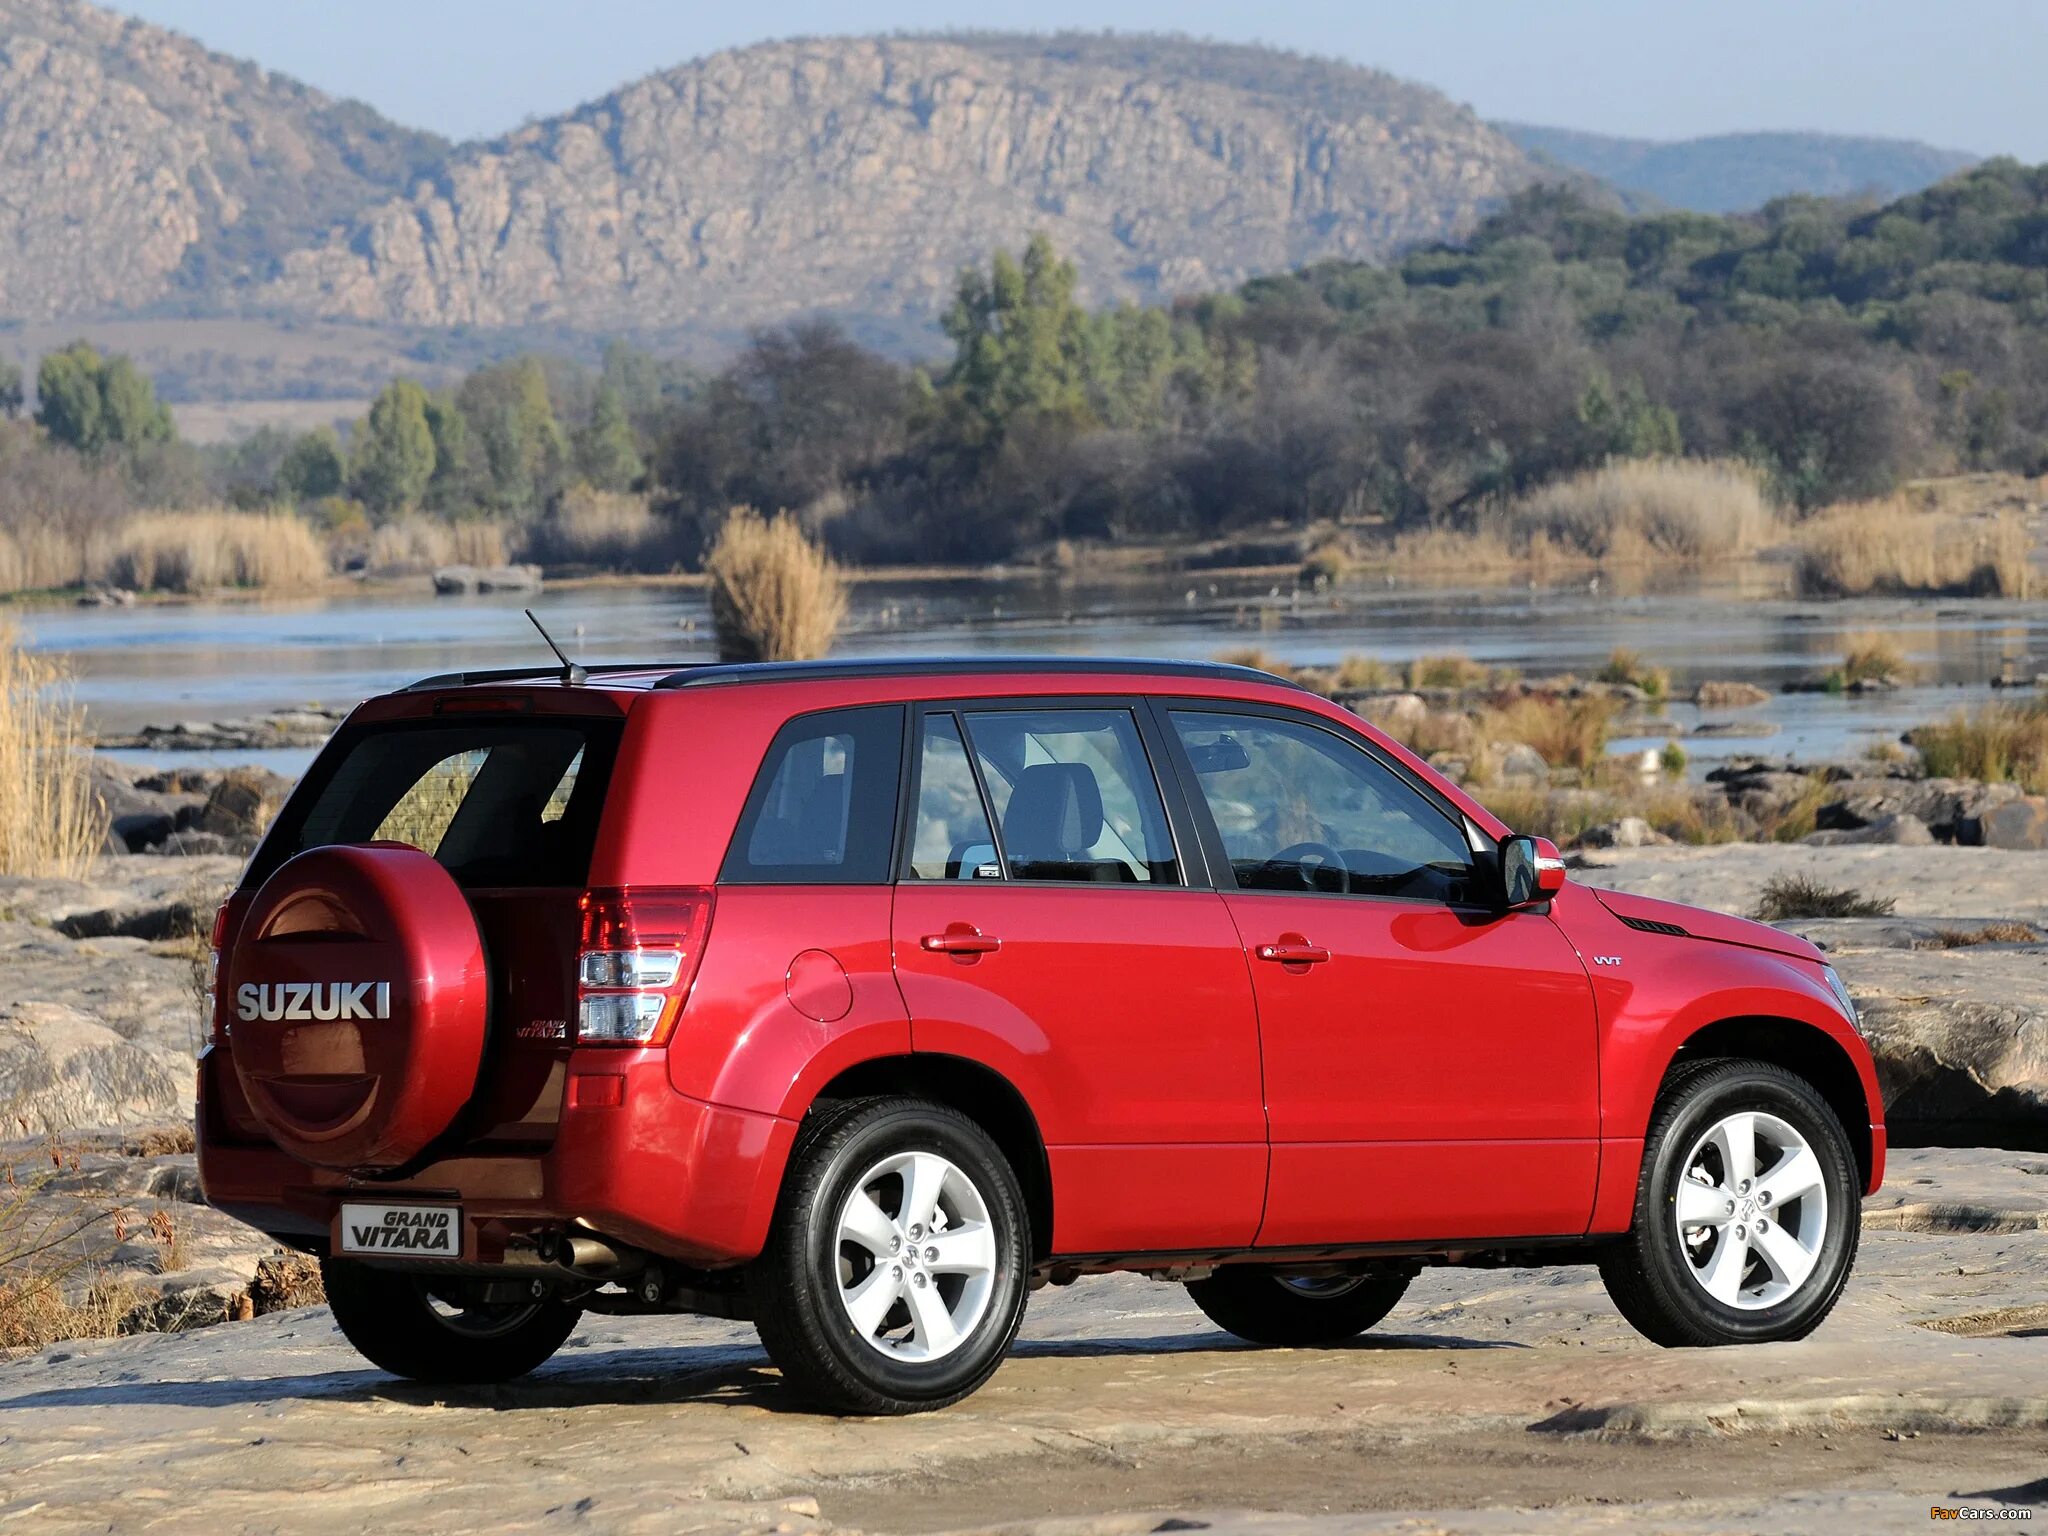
(860, 999)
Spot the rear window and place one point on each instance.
(499, 804)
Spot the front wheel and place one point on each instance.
(894, 1275)
(1746, 1215)
(449, 1331)
(1265, 1305)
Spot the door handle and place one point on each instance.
(1293, 951)
(960, 941)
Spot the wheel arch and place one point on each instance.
(977, 1091)
(1800, 1048)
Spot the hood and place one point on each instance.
(1700, 923)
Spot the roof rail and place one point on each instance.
(714, 674)
(529, 674)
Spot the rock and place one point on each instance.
(1523, 763)
(138, 818)
(280, 728)
(154, 920)
(62, 1070)
(1391, 709)
(1944, 805)
(1760, 788)
(196, 844)
(241, 804)
(1726, 695)
(1898, 827)
(1628, 832)
(2021, 822)
(460, 580)
(1961, 1067)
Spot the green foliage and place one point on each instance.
(11, 395)
(525, 451)
(607, 457)
(1021, 345)
(94, 403)
(313, 467)
(394, 455)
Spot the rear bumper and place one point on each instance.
(632, 1159)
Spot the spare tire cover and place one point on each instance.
(358, 1002)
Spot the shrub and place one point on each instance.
(1672, 509)
(1626, 666)
(775, 596)
(1999, 744)
(198, 551)
(52, 822)
(1887, 547)
(1569, 733)
(1793, 896)
(422, 543)
(1874, 659)
(1358, 673)
(1327, 564)
(607, 530)
(1451, 671)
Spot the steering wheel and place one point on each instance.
(1290, 860)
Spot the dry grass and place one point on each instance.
(1874, 658)
(52, 822)
(1566, 816)
(1990, 933)
(422, 543)
(286, 1279)
(1569, 733)
(1259, 660)
(1636, 509)
(207, 550)
(42, 559)
(1999, 744)
(775, 596)
(1795, 896)
(1627, 666)
(1452, 671)
(605, 530)
(44, 1244)
(1888, 547)
(1359, 673)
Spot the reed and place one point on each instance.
(52, 821)
(775, 596)
(1999, 744)
(1692, 510)
(1888, 547)
(214, 548)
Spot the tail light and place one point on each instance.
(640, 952)
(217, 1026)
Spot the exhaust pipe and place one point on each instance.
(595, 1257)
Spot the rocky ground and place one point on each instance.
(1490, 1401)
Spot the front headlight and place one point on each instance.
(1841, 990)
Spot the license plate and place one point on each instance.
(422, 1231)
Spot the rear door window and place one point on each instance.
(501, 805)
(1073, 796)
(823, 807)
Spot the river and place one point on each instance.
(207, 660)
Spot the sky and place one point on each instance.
(1964, 74)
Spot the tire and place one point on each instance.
(393, 1320)
(859, 1326)
(1265, 1305)
(1734, 1277)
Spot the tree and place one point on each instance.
(394, 457)
(453, 486)
(94, 403)
(524, 448)
(313, 466)
(11, 397)
(606, 454)
(1020, 342)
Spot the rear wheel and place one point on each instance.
(894, 1275)
(1267, 1305)
(452, 1331)
(1747, 1212)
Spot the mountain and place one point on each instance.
(856, 176)
(1734, 172)
(136, 165)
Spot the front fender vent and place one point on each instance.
(1651, 925)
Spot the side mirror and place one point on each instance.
(1531, 870)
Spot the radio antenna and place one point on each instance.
(571, 673)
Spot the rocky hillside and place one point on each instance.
(1734, 172)
(857, 176)
(135, 164)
